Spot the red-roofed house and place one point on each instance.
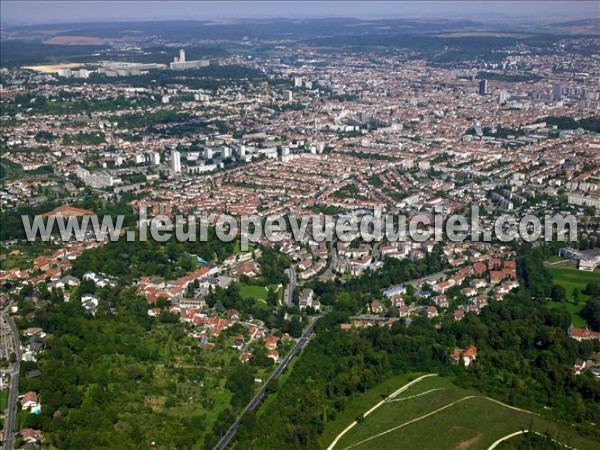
(68, 211)
(583, 334)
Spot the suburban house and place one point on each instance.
(30, 435)
(30, 401)
(468, 356)
(583, 334)
(307, 300)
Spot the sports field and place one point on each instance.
(435, 414)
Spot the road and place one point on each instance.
(419, 281)
(332, 264)
(260, 395)
(291, 287)
(13, 393)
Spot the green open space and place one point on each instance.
(259, 292)
(572, 278)
(360, 403)
(449, 417)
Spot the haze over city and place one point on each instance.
(92, 11)
(300, 225)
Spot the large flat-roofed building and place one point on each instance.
(180, 63)
(190, 64)
(116, 68)
(586, 259)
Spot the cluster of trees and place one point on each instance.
(44, 136)
(500, 132)
(591, 312)
(131, 260)
(211, 77)
(287, 321)
(152, 119)
(394, 271)
(568, 123)
(191, 127)
(12, 224)
(84, 138)
(328, 210)
(272, 266)
(99, 374)
(515, 78)
(30, 104)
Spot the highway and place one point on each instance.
(13, 393)
(260, 395)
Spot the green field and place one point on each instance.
(435, 414)
(570, 279)
(359, 403)
(573, 278)
(258, 292)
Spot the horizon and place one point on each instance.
(16, 13)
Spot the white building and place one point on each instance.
(181, 63)
(176, 161)
(66, 72)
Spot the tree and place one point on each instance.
(558, 293)
(295, 327)
(272, 297)
(575, 295)
(592, 289)
(591, 313)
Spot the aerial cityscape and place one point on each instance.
(300, 225)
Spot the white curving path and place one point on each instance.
(390, 397)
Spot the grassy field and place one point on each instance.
(573, 279)
(570, 279)
(258, 292)
(360, 403)
(436, 414)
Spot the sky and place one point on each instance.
(32, 11)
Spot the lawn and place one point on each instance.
(432, 420)
(573, 278)
(570, 279)
(258, 292)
